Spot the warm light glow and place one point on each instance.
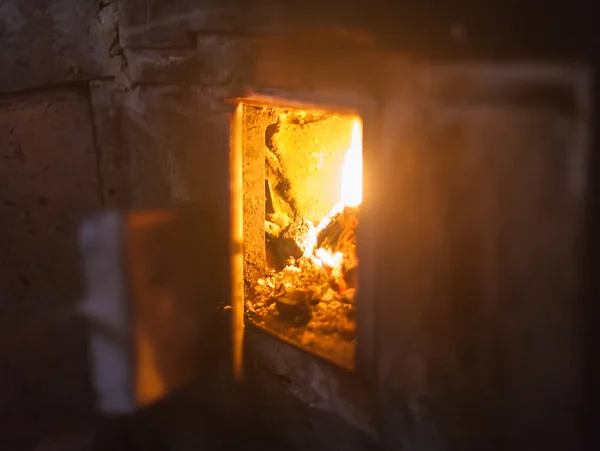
(351, 186)
(329, 259)
(350, 196)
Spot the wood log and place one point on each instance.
(290, 243)
(281, 186)
(339, 235)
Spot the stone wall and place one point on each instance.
(119, 103)
(483, 338)
(95, 113)
(58, 165)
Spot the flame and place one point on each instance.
(350, 196)
(351, 186)
(329, 259)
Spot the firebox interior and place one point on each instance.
(301, 189)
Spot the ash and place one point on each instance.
(309, 304)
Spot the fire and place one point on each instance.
(350, 196)
(351, 186)
(330, 259)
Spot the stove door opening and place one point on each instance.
(302, 190)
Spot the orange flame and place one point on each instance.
(350, 196)
(351, 186)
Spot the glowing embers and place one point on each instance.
(305, 290)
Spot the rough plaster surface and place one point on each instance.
(46, 392)
(113, 158)
(529, 254)
(172, 23)
(318, 60)
(178, 139)
(47, 42)
(175, 144)
(314, 404)
(488, 253)
(48, 182)
(216, 60)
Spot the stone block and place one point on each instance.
(217, 60)
(317, 60)
(44, 43)
(113, 158)
(178, 140)
(171, 66)
(315, 404)
(48, 182)
(172, 24)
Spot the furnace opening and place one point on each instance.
(302, 190)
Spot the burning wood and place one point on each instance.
(311, 285)
(306, 294)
